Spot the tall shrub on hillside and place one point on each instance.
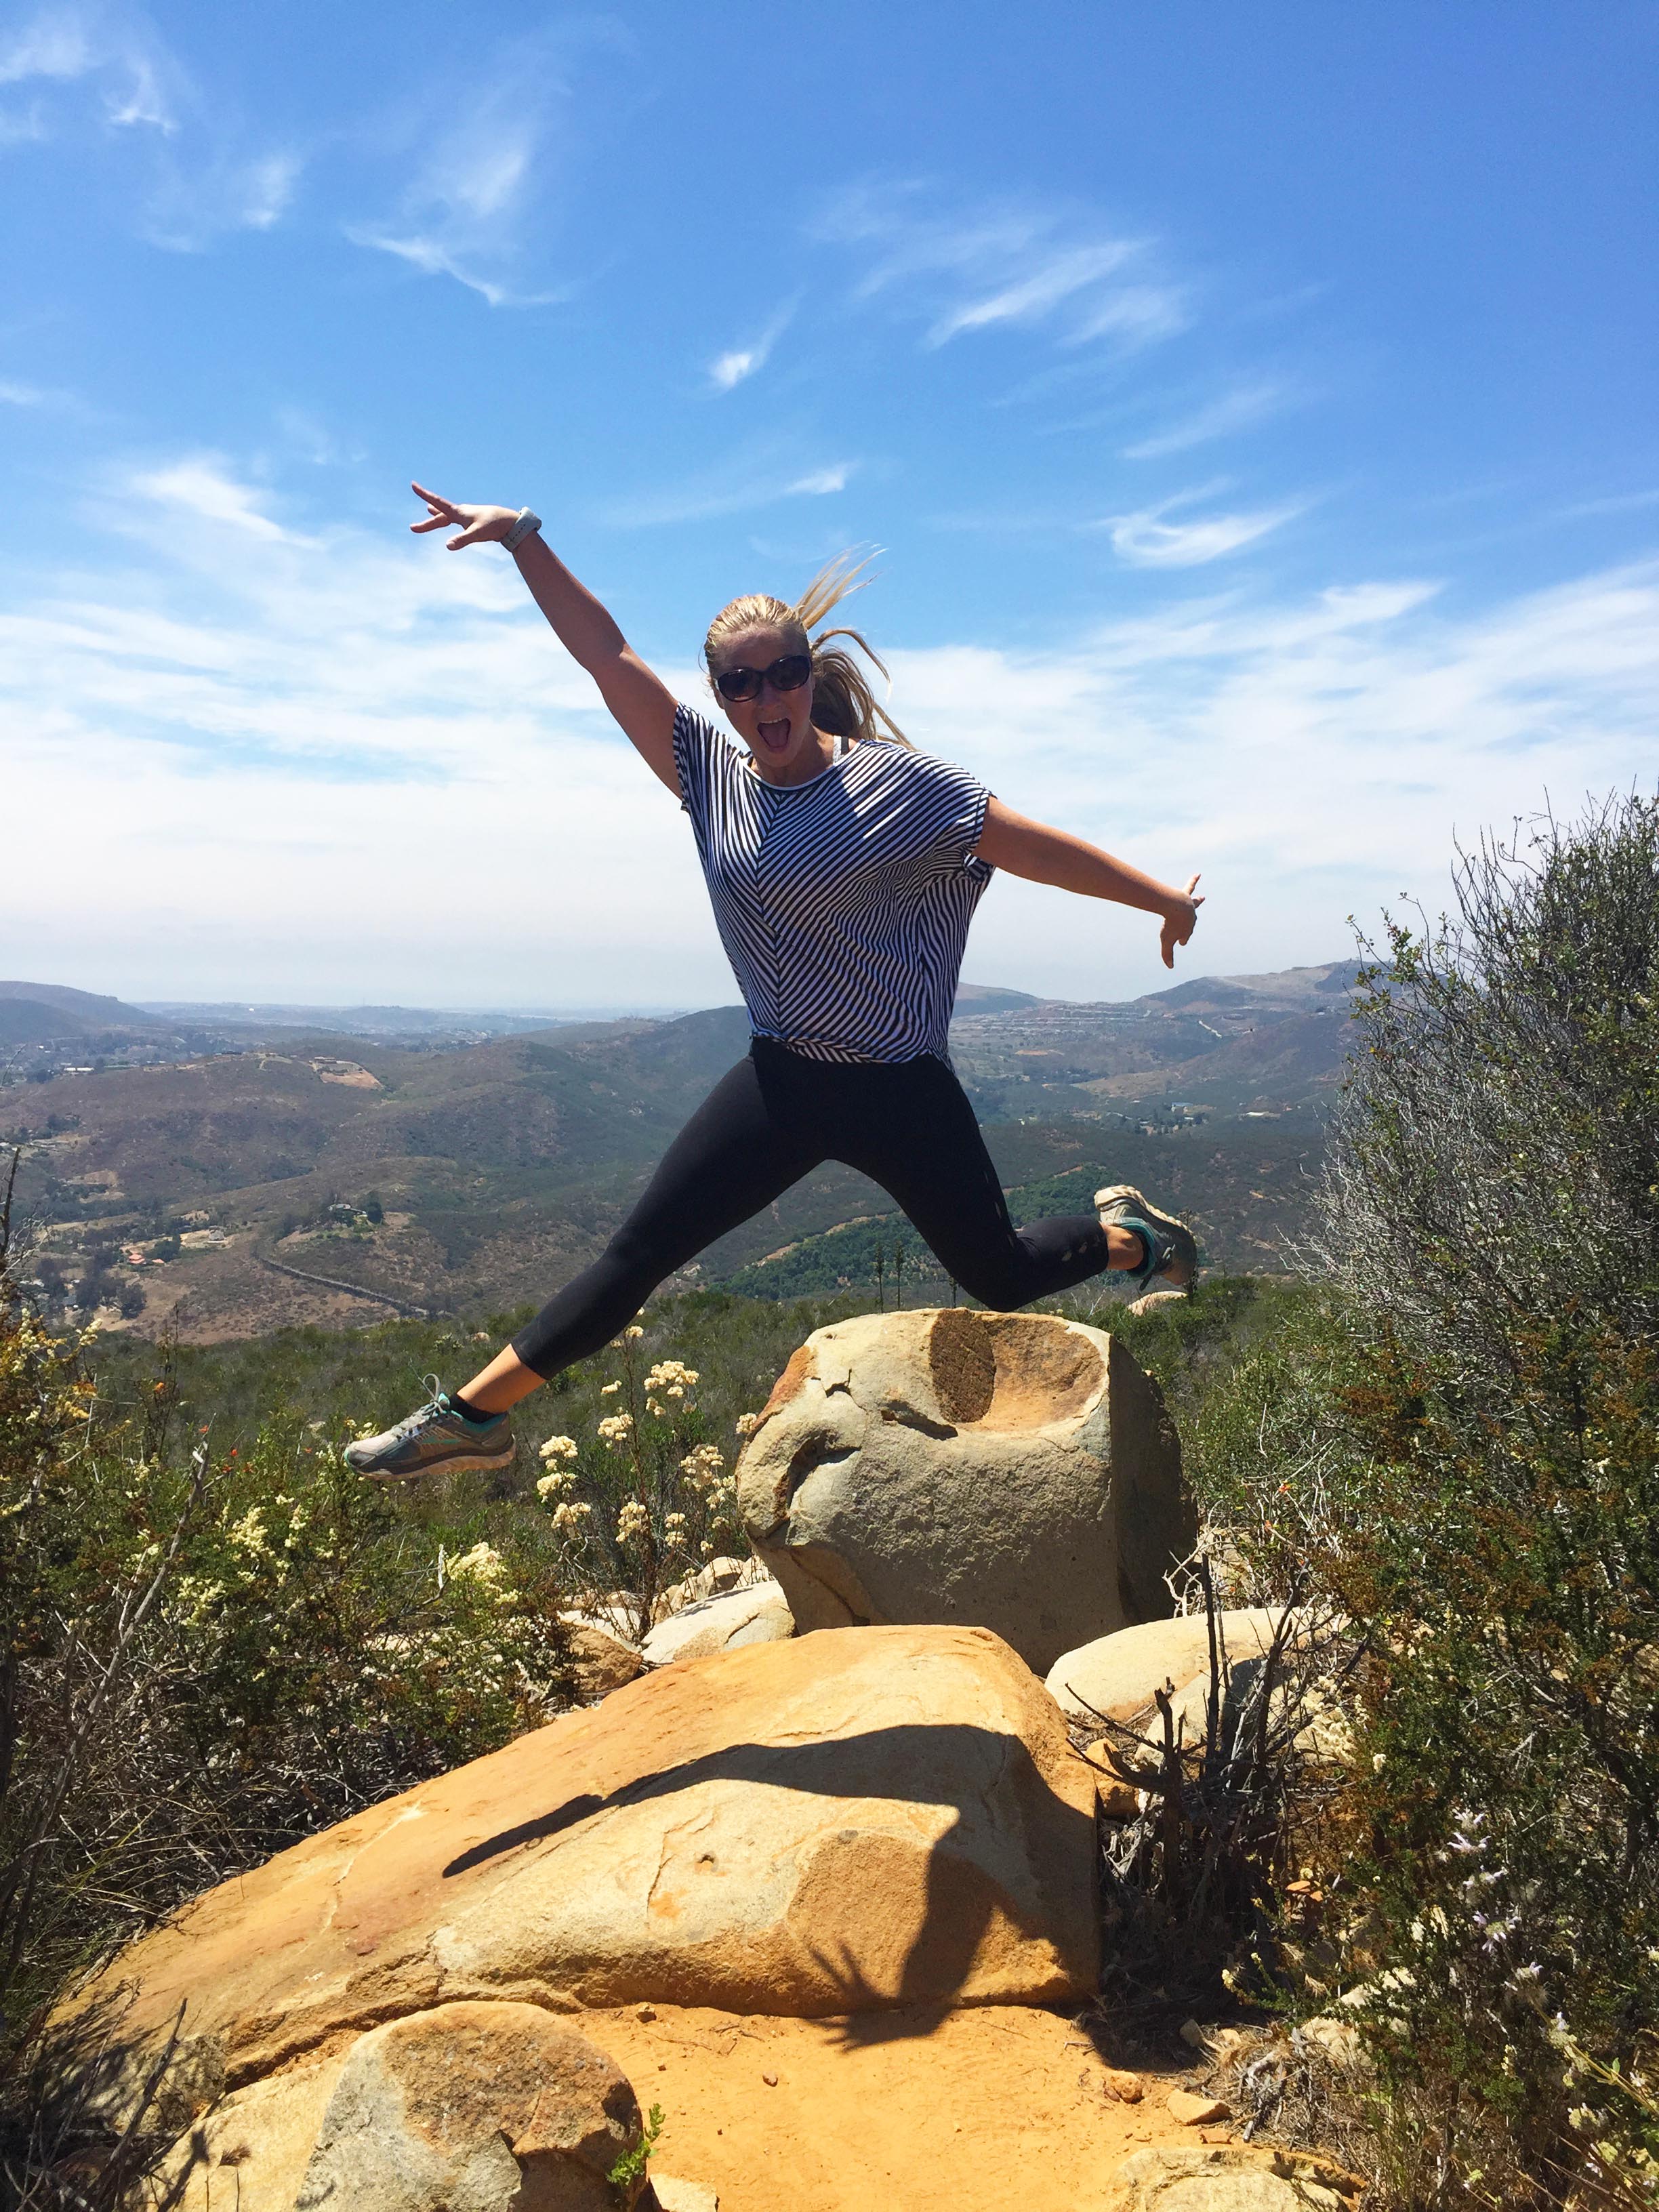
(1490, 1232)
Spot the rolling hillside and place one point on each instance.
(244, 1189)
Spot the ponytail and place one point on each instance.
(843, 704)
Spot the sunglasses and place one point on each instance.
(787, 674)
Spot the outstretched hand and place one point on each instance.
(477, 526)
(1179, 927)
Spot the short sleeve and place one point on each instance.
(697, 748)
(955, 802)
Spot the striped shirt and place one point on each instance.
(843, 902)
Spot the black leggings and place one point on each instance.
(774, 1118)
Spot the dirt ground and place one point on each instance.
(978, 2111)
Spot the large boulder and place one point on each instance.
(1118, 1676)
(889, 1817)
(1015, 1471)
(473, 2108)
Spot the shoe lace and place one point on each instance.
(412, 1424)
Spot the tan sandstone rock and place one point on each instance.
(603, 1657)
(892, 1816)
(473, 2108)
(1013, 1470)
(1118, 1675)
(1230, 2177)
(757, 1614)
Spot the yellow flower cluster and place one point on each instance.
(633, 1332)
(746, 1424)
(556, 1482)
(560, 1447)
(609, 1389)
(614, 1427)
(569, 1518)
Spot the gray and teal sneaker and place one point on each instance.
(1171, 1253)
(434, 1439)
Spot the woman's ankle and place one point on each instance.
(1125, 1250)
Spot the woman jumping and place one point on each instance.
(844, 867)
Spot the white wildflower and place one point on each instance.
(632, 1521)
(609, 1389)
(672, 1375)
(555, 1483)
(483, 1563)
(568, 1519)
(633, 1332)
(560, 1447)
(703, 1465)
(614, 1428)
(746, 1424)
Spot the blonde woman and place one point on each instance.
(844, 867)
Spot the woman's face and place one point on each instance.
(777, 726)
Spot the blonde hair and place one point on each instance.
(843, 704)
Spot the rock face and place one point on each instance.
(1227, 2178)
(1117, 1675)
(757, 1613)
(472, 2108)
(1015, 1471)
(891, 1816)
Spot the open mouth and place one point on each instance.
(774, 735)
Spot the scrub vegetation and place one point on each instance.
(1443, 1431)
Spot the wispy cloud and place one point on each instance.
(137, 82)
(728, 370)
(1004, 266)
(22, 395)
(1239, 410)
(1146, 540)
(758, 475)
(203, 173)
(469, 209)
(203, 486)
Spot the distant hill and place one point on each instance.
(24, 1007)
(496, 1169)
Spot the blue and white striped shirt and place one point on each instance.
(843, 903)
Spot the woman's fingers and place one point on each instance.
(433, 522)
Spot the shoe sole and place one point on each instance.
(1169, 1225)
(451, 1465)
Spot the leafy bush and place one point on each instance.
(1456, 1438)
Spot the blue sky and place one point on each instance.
(1255, 406)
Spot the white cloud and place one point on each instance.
(757, 475)
(817, 482)
(22, 395)
(139, 83)
(728, 370)
(473, 206)
(202, 486)
(1239, 410)
(1145, 540)
(1003, 266)
(250, 744)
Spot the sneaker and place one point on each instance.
(434, 1439)
(1171, 1252)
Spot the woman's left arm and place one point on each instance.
(1044, 855)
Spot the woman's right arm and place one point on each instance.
(640, 701)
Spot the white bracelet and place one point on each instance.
(521, 529)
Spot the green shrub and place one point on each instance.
(1456, 1439)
